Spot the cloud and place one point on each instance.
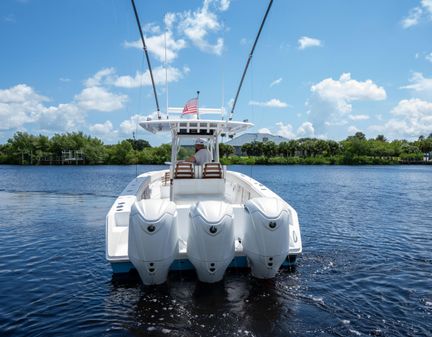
(413, 117)
(331, 99)
(130, 125)
(417, 14)
(264, 130)
(156, 46)
(306, 130)
(413, 17)
(64, 117)
(285, 130)
(143, 79)
(102, 128)
(21, 105)
(272, 103)
(359, 117)
(100, 99)
(190, 26)
(197, 25)
(307, 42)
(352, 130)
(276, 82)
(101, 77)
(428, 57)
(419, 83)
(345, 90)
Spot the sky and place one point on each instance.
(323, 69)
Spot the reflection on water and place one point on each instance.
(366, 267)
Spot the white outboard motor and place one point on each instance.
(153, 241)
(210, 245)
(266, 238)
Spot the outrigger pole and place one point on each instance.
(249, 59)
(147, 57)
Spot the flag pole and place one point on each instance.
(198, 104)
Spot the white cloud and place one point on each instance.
(331, 99)
(224, 5)
(413, 17)
(306, 130)
(428, 57)
(102, 76)
(307, 42)
(143, 79)
(272, 103)
(156, 46)
(130, 125)
(345, 90)
(100, 99)
(285, 130)
(419, 83)
(63, 117)
(19, 105)
(197, 25)
(417, 13)
(102, 128)
(427, 5)
(359, 117)
(413, 117)
(264, 130)
(352, 130)
(276, 82)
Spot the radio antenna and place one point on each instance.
(147, 57)
(249, 59)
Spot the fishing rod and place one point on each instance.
(249, 58)
(147, 57)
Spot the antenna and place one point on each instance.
(249, 58)
(147, 57)
(198, 104)
(166, 73)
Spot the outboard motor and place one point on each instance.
(153, 241)
(266, 240)
(210, 245)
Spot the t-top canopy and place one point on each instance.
(195, 126)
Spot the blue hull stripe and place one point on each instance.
(185, 264)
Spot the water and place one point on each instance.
(366, 267)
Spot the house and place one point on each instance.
(245, 138)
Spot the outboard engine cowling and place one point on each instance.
(266, 238)
(210, 245)
(153, 241)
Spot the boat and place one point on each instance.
(199, 217)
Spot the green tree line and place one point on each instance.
(27, 149)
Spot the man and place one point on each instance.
(202, 155)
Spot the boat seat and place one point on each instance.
(212, 171)
(184, 170)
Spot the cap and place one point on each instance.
(200, 141)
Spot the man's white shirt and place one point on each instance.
(203, 156)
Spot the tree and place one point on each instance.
(138, 144)
(225, 150)
(381, 138)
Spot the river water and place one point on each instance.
(366, 267)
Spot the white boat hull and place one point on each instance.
(248, 240)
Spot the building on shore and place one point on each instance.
(246, 138)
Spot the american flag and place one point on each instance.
(191, 106)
